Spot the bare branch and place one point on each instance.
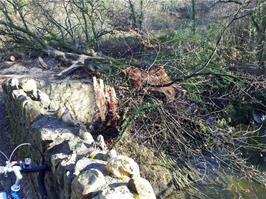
(198, 71)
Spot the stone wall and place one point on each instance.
(51, 116)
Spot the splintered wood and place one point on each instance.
(42, 63)
(156, 76)
(106, 102)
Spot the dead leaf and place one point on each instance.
(136, 75)
(156, 76)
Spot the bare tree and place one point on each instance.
(193, 6)
(13, 23)
(36, 23)
(259, 22)
(137, 17)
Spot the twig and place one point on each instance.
(194, 75)
(198, 72)
(230, 1)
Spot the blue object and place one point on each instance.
(15, 195)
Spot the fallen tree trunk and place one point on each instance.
(75, 61)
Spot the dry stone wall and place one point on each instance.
(51, 116)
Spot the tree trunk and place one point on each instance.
(193, 6)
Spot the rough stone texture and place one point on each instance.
(141, 187)
(115, 193)
(87, 182)
(4, 140)
(151, 167)
(78, 168)
(120, 166)
(75, 96)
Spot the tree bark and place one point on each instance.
(193, 6)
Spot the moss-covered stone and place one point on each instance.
(151, 166)
(77, 97)
(59, 143)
